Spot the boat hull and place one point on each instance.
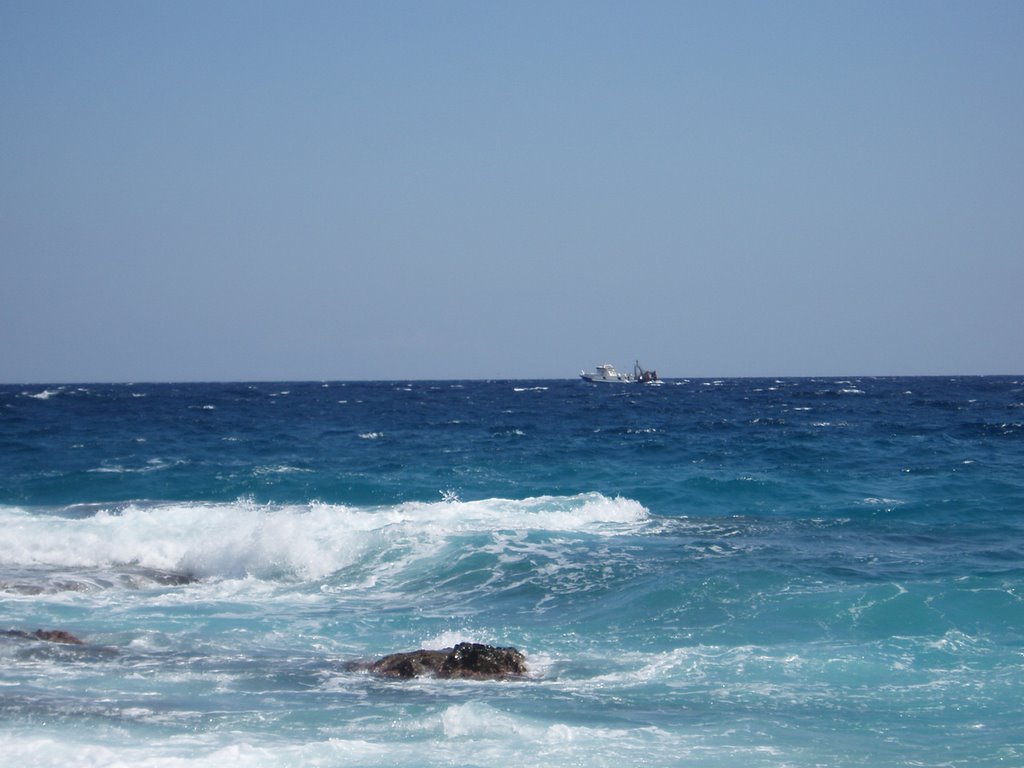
(606, 374)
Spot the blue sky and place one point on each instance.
(258, 190)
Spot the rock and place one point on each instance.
(57, 636)
(473, 661)
(49, 635)
(483, 662)
(411, 664)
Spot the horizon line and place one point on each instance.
(132, 382)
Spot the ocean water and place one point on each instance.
(742, 572)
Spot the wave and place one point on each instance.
(310, 541)
(44, 394)
(454, 734)
(151, 465)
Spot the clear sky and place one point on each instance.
(389, 190)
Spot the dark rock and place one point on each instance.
(412, 664)
(49, 635)
(474, 661)
(31, 582)
(57, 636)
(483, 662)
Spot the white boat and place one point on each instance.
(606, 374)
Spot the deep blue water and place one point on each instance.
(744, 572)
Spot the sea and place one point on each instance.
(734, 572)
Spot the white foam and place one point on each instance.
(451, 637)
(201, 540)
(591, 513)
(310, 541)
(45, 394)
(461, 734)
(480, 721)
(152, 465)
(280, 469)
(881, 501)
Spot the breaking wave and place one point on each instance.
(309, 541)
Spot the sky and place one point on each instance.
(215, 191)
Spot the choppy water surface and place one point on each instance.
(710, 573)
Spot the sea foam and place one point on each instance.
(309, 541)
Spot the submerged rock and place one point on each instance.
(31, 581)
(49, 635)
(473, 661)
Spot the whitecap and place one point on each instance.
(151, 465)
(881, 501)
(45, 394)
(279, 469)
(308, 541)
(479, 720)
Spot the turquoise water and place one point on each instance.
(744, 572)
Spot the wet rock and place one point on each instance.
(57, 636)
(483, 662)
(473, 661)
(411, 664)
(48, 635)
(29, 581)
